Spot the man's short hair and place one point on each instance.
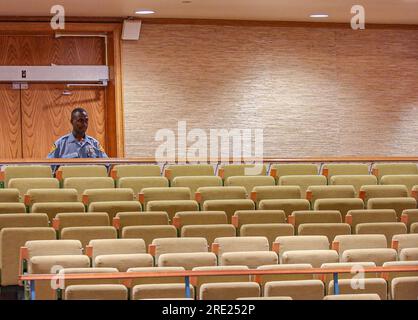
(77, 110)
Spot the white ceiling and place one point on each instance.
(377, 11)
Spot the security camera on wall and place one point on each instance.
(131, 29)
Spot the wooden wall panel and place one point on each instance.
(10, 128)
(316, 92)
(46, 116)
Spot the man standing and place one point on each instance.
(77, 144)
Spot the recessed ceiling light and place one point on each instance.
(144, 12)
(319, 15)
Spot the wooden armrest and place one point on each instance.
(85, 199)
(235, 221)
(253, 196)
(26, 200)
(291, 220)
(177, 222)
(349, 219)
(309, 195)
(116, 223)
(114, 174)
(375, 172)
(58, 175)
(325, 172)
(395, 244)
(89, 251)
(221, 173)
(152, 248)
(167, 173)
(23, 256)
(362, 195)
(141, 198)
(336, 246)
(215, 248)
(275, 247)
(56, 223)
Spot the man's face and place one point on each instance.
(80, 123)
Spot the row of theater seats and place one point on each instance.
(238, 254)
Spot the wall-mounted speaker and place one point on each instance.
(131, 29)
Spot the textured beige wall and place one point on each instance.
(314, 91)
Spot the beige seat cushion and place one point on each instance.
(209, 232)
(402, 241)
(117, 246)
(220, 193)
(298, 290)
(81, 219)
(149, 233)
(279, 170)
(378, 256)
(232, 170)
(148, 170)
(114, 207)
(287, 205)
(101, 195)
(194, 183)
(251, 259)
(51, 195)
(23, 220)
(301, 243)
(123, 262)
(357, 181)
(160, 291)
(269, 230)
(362, 286)
(337, 169)
(250, 182)
(142, 218)
(53, 247)
(24, 184)
(384, 169)
(9, 195)
(137, 184)
(326, 192)
(313, 257)
(398, 204)
(409, 217)
(242, 217)
(200, 218)
(85, 183)
(355, 217)
(229, 290)
(228, 206)
(96, 292)
(388, 229)
(304, 182)
(405, 288)
(275, 192)
(330, 230)
(342, 205)
(409, 254)
(241, 244)
(184, 170)
(360, 296)
(172, 206)
(187, 260)
(380, 191)
(31, 171)
(409, 181)
(179, 245)
(359, 241)
(85, 234)
(300, 217)
(155, 194)
(53, 208)
(82, 171)
(12, 207)
(46, 264)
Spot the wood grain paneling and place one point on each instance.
(10, 128)
(46, 116)
(316, 92)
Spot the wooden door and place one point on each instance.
(10, 123)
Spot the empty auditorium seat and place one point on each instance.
(161, 246)
(274, 192)
(355, 217)
(330, 170)
(385, 169)
(362, 286)
(287, 205)
(85, 183)
(200, 280)
(250, 182)
(12, 207)
(414, 228)
(342, 205)
(263, 279)
(102, 195)
(376, 255)
(154, 194)
(139, 183)
(121, 254)
(187, 260)
(269, 230)
(357, 181)
(358, 296)
(330, 230)
(81, 171)
(229, 290)
(33, 171)
(313, 257)
(194, 183)
(210, 232)
(53, 208)
(280, 170)
(314, 193)
(389, 276)
(303, 182)
(409, 217)
(96, 292)
(199, 218)
(405, 288)
(403, 241)
(292, 243)
(173, 171)
(23, 220)
(25, 184)
(50, 195)
(232, 170)
(409, 254)
(124, 219)
(173, 206)
(160, 291)
(220, 193)
(85, 234)
(342, 243)
(122, 171)
(297, 290)
(247, 251)
(228, 206)
(112, 208)
(80, 219)
(388, 229)
(43, 257)
(243, 217)
(149, 232)
(398, 204)
(379, 191)
(11, 239)
(409, 181)
(299, 217)
(9, 195)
